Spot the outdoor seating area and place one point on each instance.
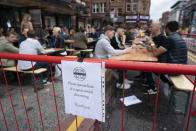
(97, 65)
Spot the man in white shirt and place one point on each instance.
(32, 46)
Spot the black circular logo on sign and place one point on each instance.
(79, 73)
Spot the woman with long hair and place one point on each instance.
(26, 22)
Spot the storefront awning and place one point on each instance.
(39, 4)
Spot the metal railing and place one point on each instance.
(112, 64)
(190, 40)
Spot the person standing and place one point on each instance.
(26, 22)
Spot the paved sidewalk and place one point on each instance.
(136, 118)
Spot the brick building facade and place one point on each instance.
(165, 18)
(119, 11)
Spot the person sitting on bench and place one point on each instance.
(6, 46)
(173, 50)
(32, 46)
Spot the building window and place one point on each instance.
(103, 7)
(135, 6)
(95, 8)
(119, 11)
(112, 0)
(128, 7)
(112, 13)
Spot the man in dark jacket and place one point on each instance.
(172, 50)
(174, 46)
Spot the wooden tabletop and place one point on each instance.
(72, 41)
(86, 50)
(68, 41)
(138, 40)
(138, 53)
(52, 50)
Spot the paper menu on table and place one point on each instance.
(130, 100)
(49, 50)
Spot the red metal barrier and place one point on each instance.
(113, 64)
(194, 35)
(22, 97)
(10, 96)
(123, 65)
(190, 40)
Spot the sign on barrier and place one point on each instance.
(84, 89)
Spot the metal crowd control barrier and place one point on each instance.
(123, 65)
(190, 40)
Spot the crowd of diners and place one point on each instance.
(107, 41)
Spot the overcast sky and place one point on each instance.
(160, 6)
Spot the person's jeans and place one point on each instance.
(43, 65)
(162, 77)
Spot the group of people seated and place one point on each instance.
(30, 42)
(169, 48)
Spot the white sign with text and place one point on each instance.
(84, 89)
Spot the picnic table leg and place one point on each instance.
(32, 81)
(187, 103)
(171, 100)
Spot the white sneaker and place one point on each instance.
(57, 71)
(64, 53)
(91, 55)
(128, 81)
(44, 80)
(47, 83)
(120, 86)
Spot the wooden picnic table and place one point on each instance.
(52, 50)
(138, 53)
(68, 41)
(72, 41)
(86, 50)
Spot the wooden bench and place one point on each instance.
(181, 83)
(79, 52)
(37, 72)
(13, 69)
(71, 56)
